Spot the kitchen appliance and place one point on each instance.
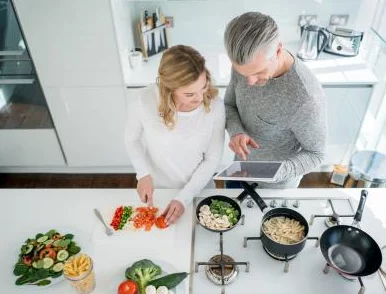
(22, 102)
(314, 39)
(342, 41)
(265, 273)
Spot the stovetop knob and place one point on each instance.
(296, 203)
(284, 203)
(273, 203)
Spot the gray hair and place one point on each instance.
(248, 33)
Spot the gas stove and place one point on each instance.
(249, 268)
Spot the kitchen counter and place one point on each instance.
(25, 212)
(330, 69)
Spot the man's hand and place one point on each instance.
(145, 189)
(173, 211)
(239, 144)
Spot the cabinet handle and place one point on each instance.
(9, 53)
(16, 81)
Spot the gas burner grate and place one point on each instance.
(215, 272)
(285, 258)
(331, 219)
(222, 269)
(347, 277)
(279, 257)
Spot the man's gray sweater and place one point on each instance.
(286, 117)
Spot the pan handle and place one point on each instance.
(361, 206)
(251, 191)
(244, 194)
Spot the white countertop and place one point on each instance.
(25, 212)
(329, 69)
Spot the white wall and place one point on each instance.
(125, 31)
(201, 23)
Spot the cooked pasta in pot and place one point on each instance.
(284, 230)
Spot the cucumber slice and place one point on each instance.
(62, 255)
(48, 242)
(58, 267)
(40, 264)
(27, 248)
(42, 239)
(47, 262)
(35, 264)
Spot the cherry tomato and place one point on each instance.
(128, 287)
(27, 260)
(47, 252)
(160, 222)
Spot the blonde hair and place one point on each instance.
(180, 66)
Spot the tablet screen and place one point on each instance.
(250, 171)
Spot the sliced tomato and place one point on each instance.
(160, 222)
(27, 260)
(145, 217)
(47, 252)
(128, 287)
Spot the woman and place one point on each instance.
(175, 130)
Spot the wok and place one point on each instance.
(349, 249)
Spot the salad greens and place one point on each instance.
(43, 257)
(224, 208)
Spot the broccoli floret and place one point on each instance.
(142, 272)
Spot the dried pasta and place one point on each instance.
(78, 269)
(284, 230)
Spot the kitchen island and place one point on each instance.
(25, 212)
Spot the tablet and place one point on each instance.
(262, 171)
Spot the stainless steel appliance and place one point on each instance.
(314, 39)
(342, 41)
(22, 102)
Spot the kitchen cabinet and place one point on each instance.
(75, 48)
(73, 43)
(29, 148)
(91, 123)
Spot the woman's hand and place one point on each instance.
(173, 211)
(145, 190)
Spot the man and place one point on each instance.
(275, 106)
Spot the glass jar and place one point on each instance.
(82, 281)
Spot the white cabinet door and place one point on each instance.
(346, 108)
(30, 148)
(90, 122)
(72, 42)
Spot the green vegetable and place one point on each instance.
(47, 262)
(62, 255)
(20, 269)
(43, 283)
(34, 266)
(224, 208)
(142, 272)
(127, 212)
(58, 267)
(42, 239)
(170, 281)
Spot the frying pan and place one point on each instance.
(273, 247)
(349, 249)
(231, 201)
